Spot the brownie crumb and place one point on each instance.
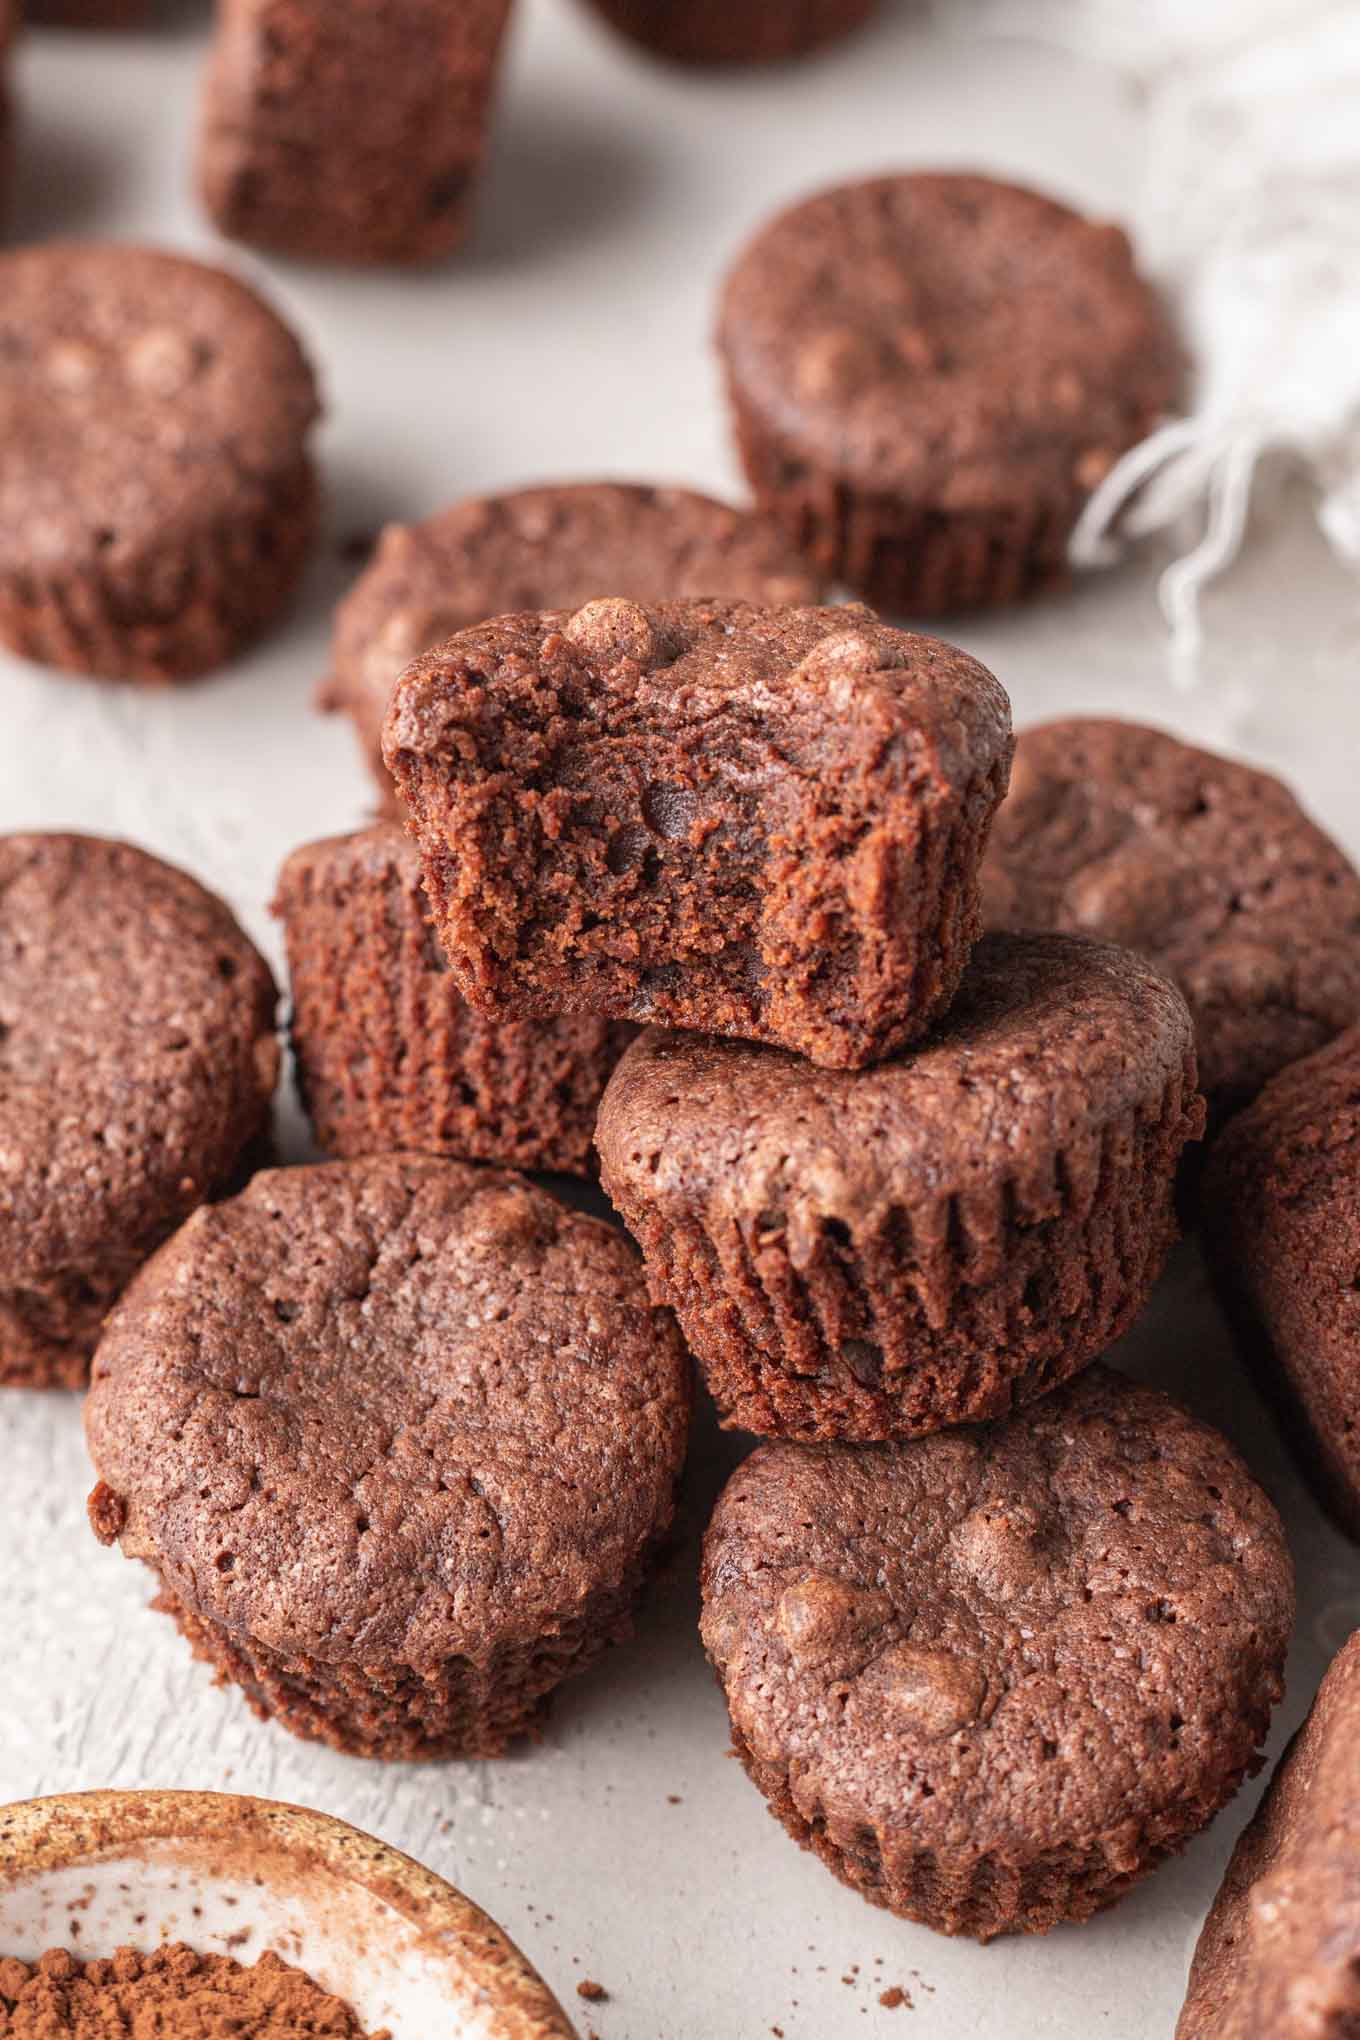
(595, 1992)
(894, 1997)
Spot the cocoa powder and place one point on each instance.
(173, 1994)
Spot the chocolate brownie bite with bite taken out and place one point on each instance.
(994, 1677)
(754, 822)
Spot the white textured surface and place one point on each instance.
(572, 340)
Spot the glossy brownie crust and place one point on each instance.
(348, 133)
(734, 31)
(1207, 866)
(119, 556)
(1280, 1209)
(138, 1061)
(881, 1253)
(399, 1438)
(1279, 1957)
(929, 375)
(763, 823)
(387, 1053)
(996, 1676)
(553, 547)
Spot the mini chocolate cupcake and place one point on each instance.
(399, 1438)
(929, 375)
(882, 1253)
(734, 31)
(1279, 1957)
(157, 502)
(138, 1061)
(388, 1056)
(994, 1678)
(553, 547)
(1203, 864)
(348, 133)
(1280, 1210)
(758, 822)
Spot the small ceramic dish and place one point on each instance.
(101, 1870)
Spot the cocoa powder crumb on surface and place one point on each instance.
(173, 1992)
(595, 1992)
(891, 1998)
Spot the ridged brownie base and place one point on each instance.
(905, 558)
(178, 615)
(928, 1317)
(734, 31)
(982, 1893)
(459, 1708)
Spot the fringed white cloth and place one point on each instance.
(1251, 218)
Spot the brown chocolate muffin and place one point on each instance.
(1279, 1958)
(881, 1253)
(348, 133)
(734, 31)
(1280, 1209)
(138, 1061)
(993, 1678)
(156, 498)
(765, 823)
(389, 1056)
(929, 374)
(554, 547)
(399, 1438)
(1207, 866)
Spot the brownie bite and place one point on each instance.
(880, 1253)
(157, 500)
(993, 1678)
(399, 1439)
(1280, 1213)
(387, 1053)
(929, 375)
(554, 547)
(734, 31)
(764, 823)
(1279, 1957)
(138, 1061)
(348, 133)
(1206, 865)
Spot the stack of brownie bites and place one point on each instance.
(887, 1036)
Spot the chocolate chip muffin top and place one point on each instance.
(1050, 1039)
(1020, 1636)
(1280, 1951)
(140, 394)
(552, 547)
(948, 336)
(137, 1049)
(399, 1409)
(1207, 866)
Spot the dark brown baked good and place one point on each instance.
(994, 1677)
(157, 503)
(388, 1056)
(929, 374)
(734, 31)
(348, 133)
(138, 1061)
(1208, 866)
(1280, 1211)
(1279, 1957)
(757, 822)
(553, 547)
(880, 1253)
(9, 16)
(399, 1438)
